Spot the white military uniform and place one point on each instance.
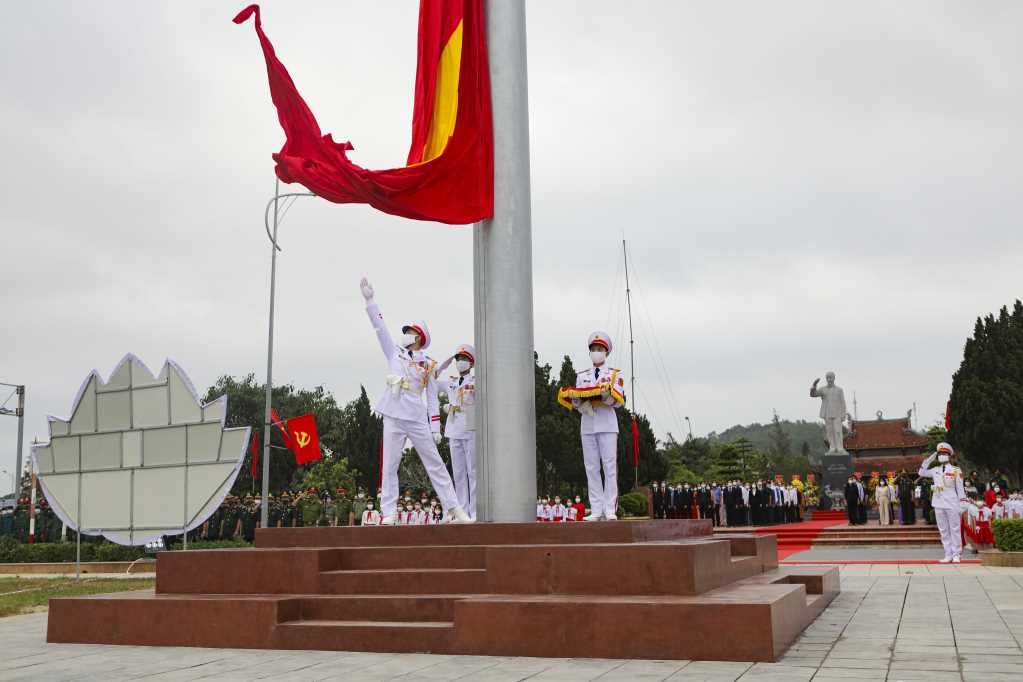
(599, 433)
(409, 375)
(460, 430)
(947, 490)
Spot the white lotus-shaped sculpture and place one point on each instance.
(139, 457)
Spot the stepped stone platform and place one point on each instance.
(873, 534)
(545, 590)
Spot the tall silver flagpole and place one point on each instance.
(503, 278)
(264, 510)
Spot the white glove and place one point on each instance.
(437, 438)
(929, 459)
(367, 290)
(586, 408)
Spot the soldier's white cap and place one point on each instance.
(420, 328)
(946, 448)
(466, 349)
(600, 338)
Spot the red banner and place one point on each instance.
(255, 454)
(449, 173)
(305, 442)
(635, 443)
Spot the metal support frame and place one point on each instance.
(19, 412)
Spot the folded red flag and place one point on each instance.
(449, 174)
(255, 454)
(635, 443)
(305, 442)
(275, 418)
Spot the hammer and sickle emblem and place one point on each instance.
(302, 438)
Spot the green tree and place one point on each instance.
(363, 432)
(329, 473)
(781, 442)
(245, 405)
(987, 394)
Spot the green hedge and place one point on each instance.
(14, 552)
(633, 504)
(1008, 534)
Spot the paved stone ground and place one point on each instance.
(874, 553)
(891, 622)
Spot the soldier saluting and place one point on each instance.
(410, 373)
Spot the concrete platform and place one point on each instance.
(582, 590)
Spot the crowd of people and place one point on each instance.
(734, 503)
(897, 497)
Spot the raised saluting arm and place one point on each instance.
(925, 466)
(377, 319)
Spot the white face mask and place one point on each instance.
(598, 357)
(408, 339)
(369, 507)
(943, 459)
(463, 365)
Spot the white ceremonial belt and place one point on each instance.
(396, 383)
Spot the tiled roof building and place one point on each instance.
(885, 445)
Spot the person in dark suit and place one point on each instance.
(905, 490)
(657, 500)
(852, 501)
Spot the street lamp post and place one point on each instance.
(690, 425)
(264, 512)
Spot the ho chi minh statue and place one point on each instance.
(832, 412)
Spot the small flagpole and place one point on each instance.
(632, 351)
(264, 511)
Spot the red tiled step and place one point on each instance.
(359, 635)
(405, 581)
(359, 558)
(379, 607)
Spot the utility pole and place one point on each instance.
(18, 412)
(503, 287)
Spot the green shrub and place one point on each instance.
(12, 551)
(1008, 534)
(633, 504)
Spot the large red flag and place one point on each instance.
(449, 174)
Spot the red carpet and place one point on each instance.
(797, 537)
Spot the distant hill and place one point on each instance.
(760, 435)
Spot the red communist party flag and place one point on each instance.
(449, 173)
(305, 442)
(948, 416)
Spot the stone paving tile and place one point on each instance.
(778, 671)
(847, 674)
(643, 670)
(923, 676)
(711, 671)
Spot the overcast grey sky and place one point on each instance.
(804, 186)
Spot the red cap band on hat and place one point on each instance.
(600, 342)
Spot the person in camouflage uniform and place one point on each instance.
(344, 508)
(248, 513)
(274, 512)
(310, 507)
(358, 506)
(329, 517)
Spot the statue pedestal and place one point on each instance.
(837, 467)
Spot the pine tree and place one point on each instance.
(987, 394)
